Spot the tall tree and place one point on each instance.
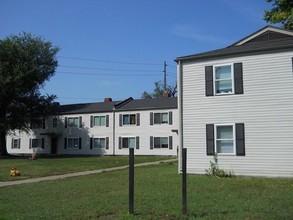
(159, 90)
(282, 12)
(26, 62)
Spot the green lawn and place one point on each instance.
(59, 165)
(157, 196)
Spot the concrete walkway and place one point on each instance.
(62, 176)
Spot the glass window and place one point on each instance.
(15, 143)
(161, 142)
(73, 143)
(128, 142)
(129, 119)
(73, 122)
(223, 79)
(99, 120)
(161, 118)
(99, 143)
(36, 143)
(225, 139)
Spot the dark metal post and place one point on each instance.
(131, 180)
(184, 184)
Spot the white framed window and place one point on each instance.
(161, 118)
(99, 143)
(73, 143)
(225, 139)
(129, 119)
(128, 142)
(15, 144)
(223, 79)
(73, 122)
(99, 121)
(161, 142)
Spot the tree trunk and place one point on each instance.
(3, 149)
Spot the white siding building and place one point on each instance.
(237, 102)
(106, 128)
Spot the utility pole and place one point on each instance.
(165, 76)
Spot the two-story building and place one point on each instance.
(237, 102)
(106, 128)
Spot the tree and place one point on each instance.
(159, 90)
(26, 62)
(282, 12)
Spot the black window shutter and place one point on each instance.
(120, 119)
(170, 142)
(137, 119)
(209, 80)
(30, 144)
(79, 143)
(238, 78)
(210, 142)
(91, 143)
(240, 139)
(151, 118)
(44, 123)
(65, 122)
(12, 140)
(151, 142)
(137, 142)
(107, 120)
(65, 143)
(19, 143)
(43, 143)
(107, 142)
(80, 121)
(92, 121)
(120, 142)
(170, 118)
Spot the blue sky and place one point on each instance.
(116, 48)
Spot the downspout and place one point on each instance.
(180, 109)
(114, 130)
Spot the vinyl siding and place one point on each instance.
(266, 109)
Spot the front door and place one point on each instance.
(54, 145)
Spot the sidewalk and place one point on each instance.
(84, 173)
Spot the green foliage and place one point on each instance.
(26, 63)
(282, 12)
(214, 169)
(159, 90)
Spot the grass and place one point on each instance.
(157, 196)
(60, 165)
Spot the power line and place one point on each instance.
(107, 61)
(106, 74)
(107, 69)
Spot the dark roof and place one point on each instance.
(125, 105)
(147, 104)
(260, 44)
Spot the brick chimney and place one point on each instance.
(107, 99)
(165, 94)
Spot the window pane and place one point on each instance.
(132, 119)
(225, 146)
(131, 142)
(97, 121)
(157, 118)
(126, 119)
(54, 122)
(35, 143)
(224, 86)
(99, 142)
(223, 72)
(73, 122)
(157, 142)
(75, 142)
(165, 118)
(225, 132)
(164, 142)
(103, 120)
(124, 142)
